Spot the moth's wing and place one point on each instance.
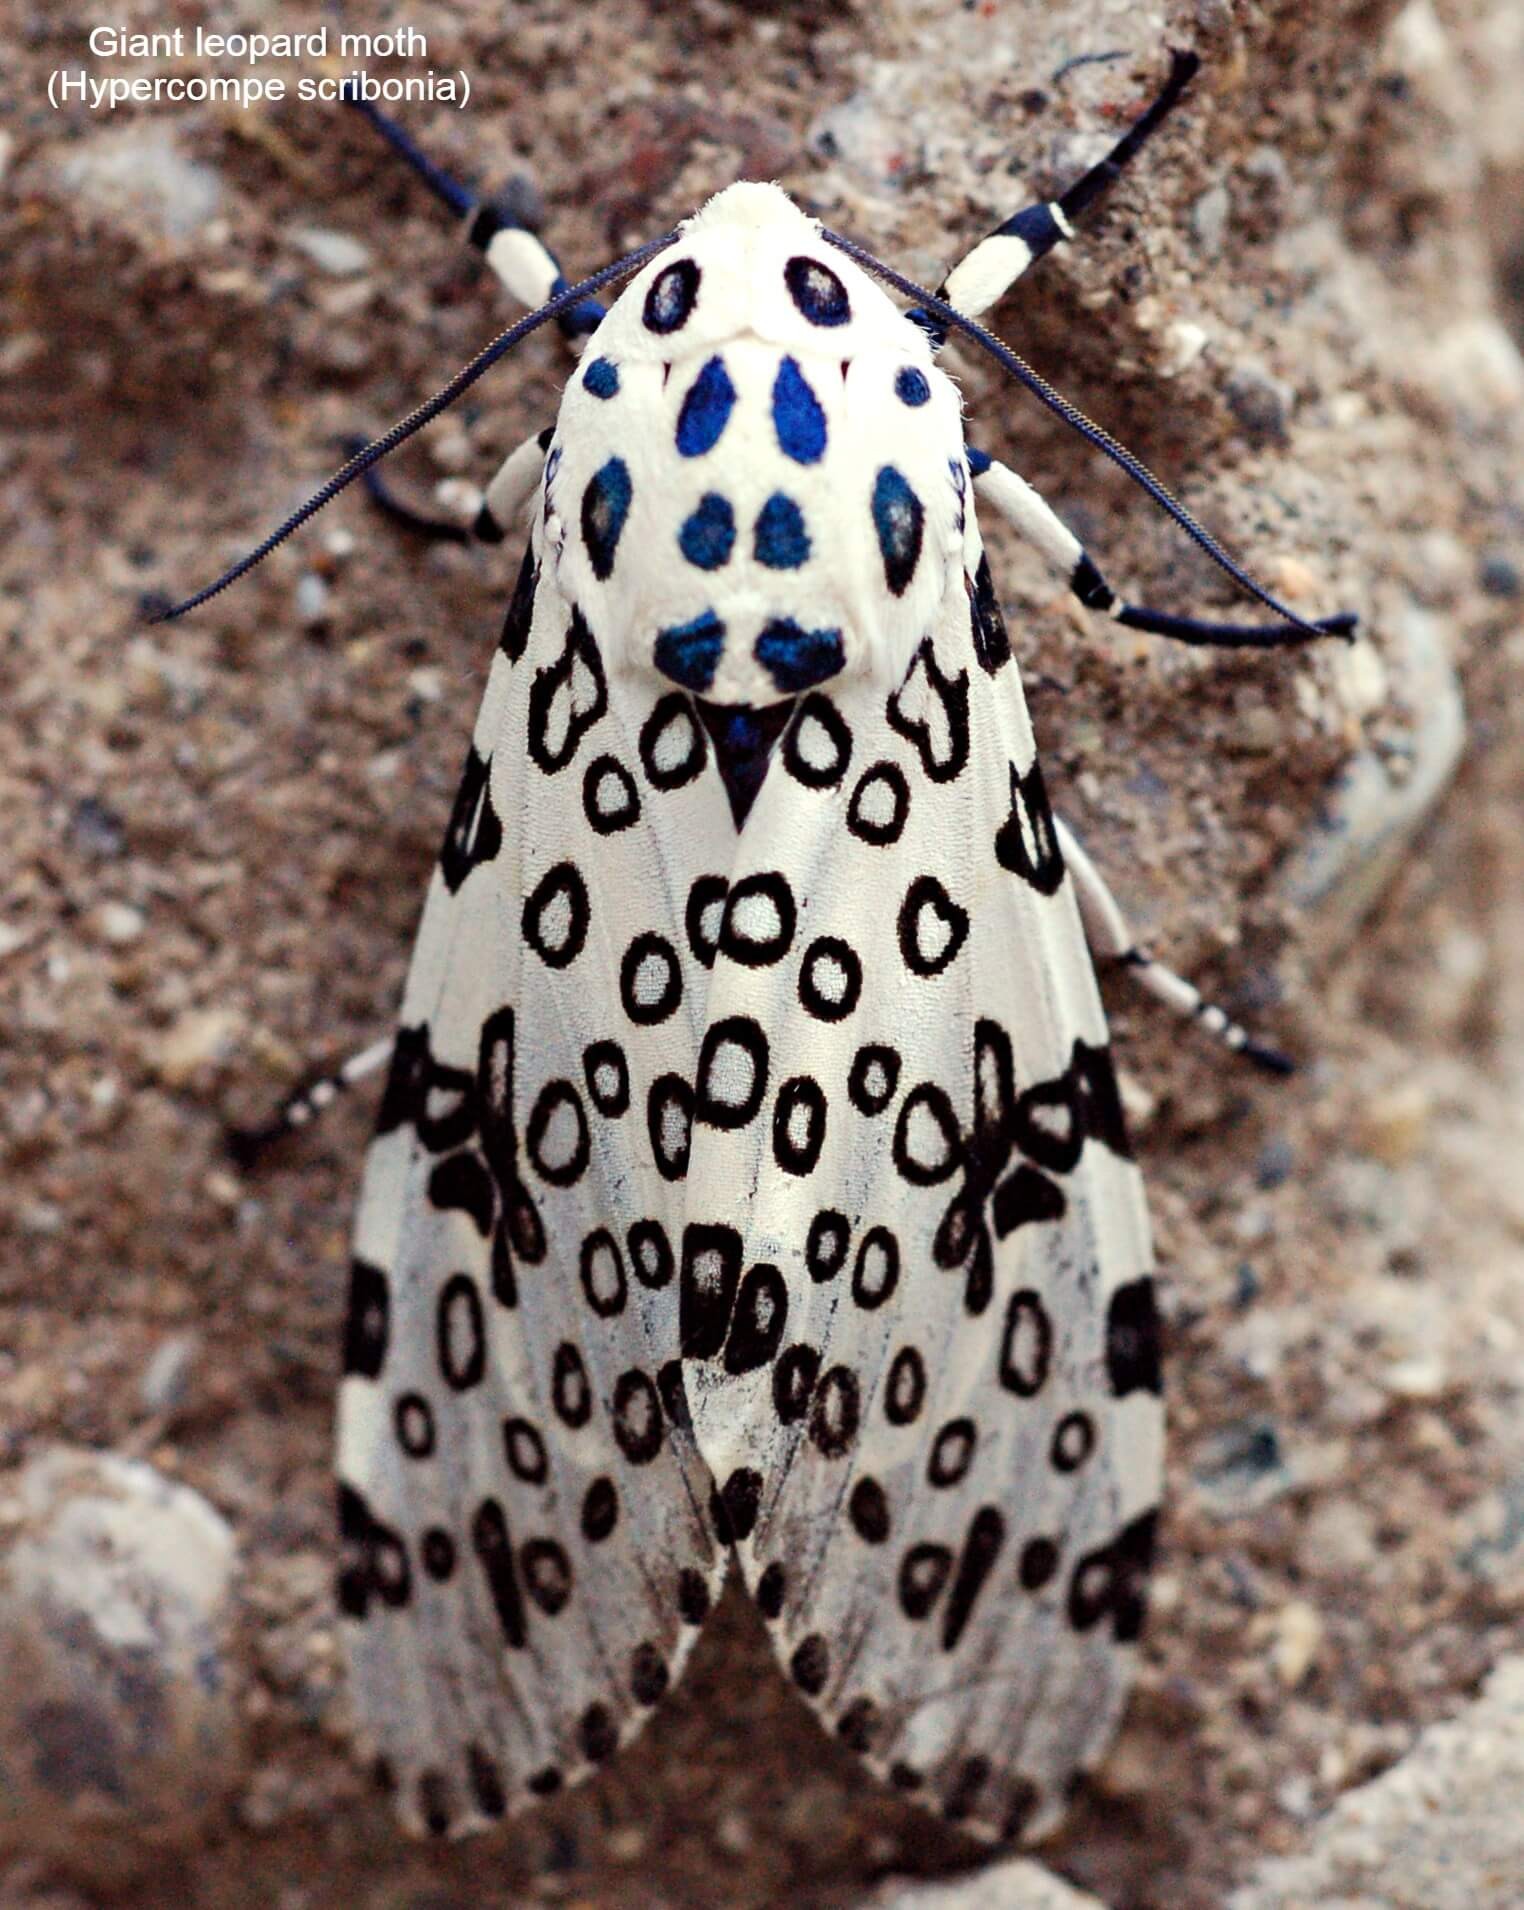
(924, 1351)
(526, 1554)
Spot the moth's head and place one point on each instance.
(756, 483)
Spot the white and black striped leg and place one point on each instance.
(988, 272)
(1035, 520)
(1109, 936)
(302, 1107)
(522, 261)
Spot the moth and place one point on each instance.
(751, 1196)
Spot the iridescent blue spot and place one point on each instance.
(897, 517)
(709, 533)
(978, 461)
(817, 291)
(910, 387)
(602, 378)
(706, 410)
(605, 506)
(689, 653)
(670, 297)
(797, 416)
(796, 658)
(782, 542)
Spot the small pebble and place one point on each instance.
(97, 830)
(196, 1039)
(1298, 1638)
(1500, 576)
(336, 253)
(119, 923)
(1209, 219)
(1394, 1124)
(1261, 403)
(165, 1384)
(312, 600)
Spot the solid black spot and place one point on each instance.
(672, 747)
(799, 1125)
(599, 1734)
(649, 1676)
(520, 609)
(637, 1415)
(651, 1254)
(547, 1575)
(811, 1665)
(650, 980)
(1114, 1579)
(670, 297)
(566, 699)
(704, 917)
(732, 1072)
(437, 1551)
(952, 1452)
(760, 914)
(794, 1382)
(876, 1270)
(1132, 1340)
(905, 1389)
(736, 1505)
(928, 1146)
(826, 1245)
(1026, 1196)
(1026, 843)
(756, 1328)
(817, 747)
(707, 1290)
(494, 1552)
(372, 1559)
(607, 1074)
(474, 833)
(859, 1724)
(905, 1777)
(486, 1783)
(558, 1156)
(600, 1509)
(525, 1451)
(830, 979)
(1073, 1442)
(674, 1394)
(433, 1804)
(986, 1535)
(413, 1419)
(692, 1596)
(610, 797)
(880, 805)
(556, 915)
(992, 644)
(817, 291)
(836, 1412)
(1021, 1809)
(924, 1571)
(1026, 1346)
(743, 739)
(1039, 1561)
(771, 1589)
(669, 1123)
(367, 1320)
(868, 1509)
(570, 1392)
(545, 1783)
(460, 1333)
(932, 927)
(963, 1796)
(460, 1183)
(874, 1078)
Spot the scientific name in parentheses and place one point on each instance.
(178, 43)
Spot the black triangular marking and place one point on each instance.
(743, 741)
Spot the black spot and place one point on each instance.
(566, 699)
(880, 805)
(413, 1421)
(650, 1254)
(1132, 1340)
(1026, 1346)
(772, 1587)
(826, 1244)
(799, 1125)
(599, 1734)
(670, 297)
(1026, 843)
(520, 609)
(494, 1552)
(367, 1320)
(927, 1145)
(931, 711)
(924, 1571)
(433, 1803)
(556, 1138)
(963, 1795)
(899, 519)
(876, 1270)
(868, 1509)
(756, 1328)
(672, 747)
(460, 1333)
(689, 653)
(817, 747)
(1073, 1442)
(474, 833)
(1114, 1580)
(905, 1390)
(692, 1596)
(704, 917)
(952, 1452)
(650, 980)
(796, 658)
(836, 1412)
(486, 1783)
(547, 1575)
(460, 1183)
(874, 1078)
(1021, 1809)
(637, 1415)
(810, 1665)
(905, 1777)
(669, 1123)
(372, 1559)
(760, 916)
(607, 1075)
(556, 915)
(817, 291)
(992, 644)
(649, 1676)
(600, 1509)
(711, 1273)
(570, 1393)
(525, 1451)
(794, 1382)
(545, 1783)
(610, 798)
(1026, 1196)
(736, 1505)
(986, 1535)
(830, 979)
(1039, 1561)
(732, 1072)
(932, 927)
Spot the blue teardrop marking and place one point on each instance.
(706, 410)
(898, 519)
(910, 386)
(796, 658)
(602, 378)
(797, 415)
(689, 653)
(782, 542)
(709, 532)
(605, 506)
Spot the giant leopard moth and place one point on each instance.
(750, 1180)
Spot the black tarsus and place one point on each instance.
(1085, 191)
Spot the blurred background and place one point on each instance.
(1305, 309)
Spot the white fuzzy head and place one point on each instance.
(756, 482)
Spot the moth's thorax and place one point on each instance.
(756, 482)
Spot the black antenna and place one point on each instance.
(1340, 626)
(442, 399)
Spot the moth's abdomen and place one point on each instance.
(749, 521)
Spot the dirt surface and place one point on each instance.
(1303, 309)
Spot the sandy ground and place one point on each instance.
(1302, 311)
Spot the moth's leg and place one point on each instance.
(486, 515)
(1036, 521)
(302, 1107)
(1109, 936)
(989, 271)
(524, 263)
